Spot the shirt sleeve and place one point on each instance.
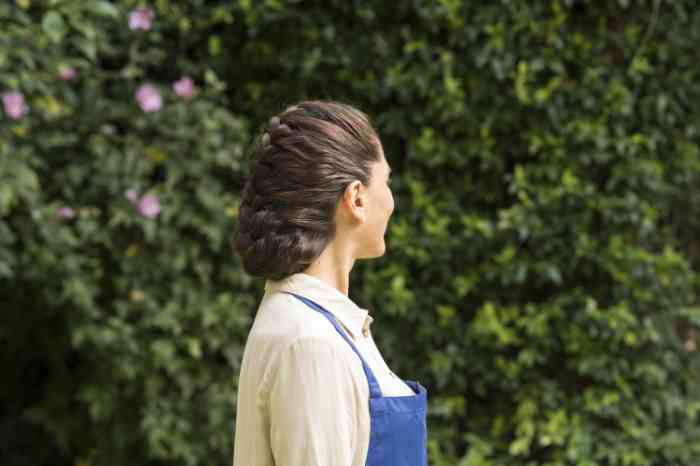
(313, 406)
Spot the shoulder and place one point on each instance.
(286, 332)
(287, 319)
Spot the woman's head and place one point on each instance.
(319, 173)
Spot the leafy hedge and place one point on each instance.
(542, 259)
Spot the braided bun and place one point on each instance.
(308, 155)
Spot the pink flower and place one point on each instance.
(14, 104)
(132, 195)
(66, 212)
(184, 87)
(149, 98)
(68, 73)
(149, 206)
(141, 18)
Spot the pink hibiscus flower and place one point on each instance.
(149, 98)
(184, 87)
(141, 18)
(14, 105)
(149, 206)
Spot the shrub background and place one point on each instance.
(541, 277)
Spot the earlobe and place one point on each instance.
(360, 207)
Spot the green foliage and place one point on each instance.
(541, 277)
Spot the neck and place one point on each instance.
(333, 266)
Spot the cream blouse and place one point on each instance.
(303, 398)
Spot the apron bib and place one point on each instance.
(398, 430)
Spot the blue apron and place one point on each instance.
(398, 433)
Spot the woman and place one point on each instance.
(314, 389)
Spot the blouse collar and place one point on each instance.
(354, 318)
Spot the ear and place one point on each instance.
(355, 201)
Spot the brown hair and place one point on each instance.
(308, 155)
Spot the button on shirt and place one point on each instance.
(303, 397)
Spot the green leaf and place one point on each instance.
(54, 26)
(104, 8)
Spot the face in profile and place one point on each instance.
(380, 206)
